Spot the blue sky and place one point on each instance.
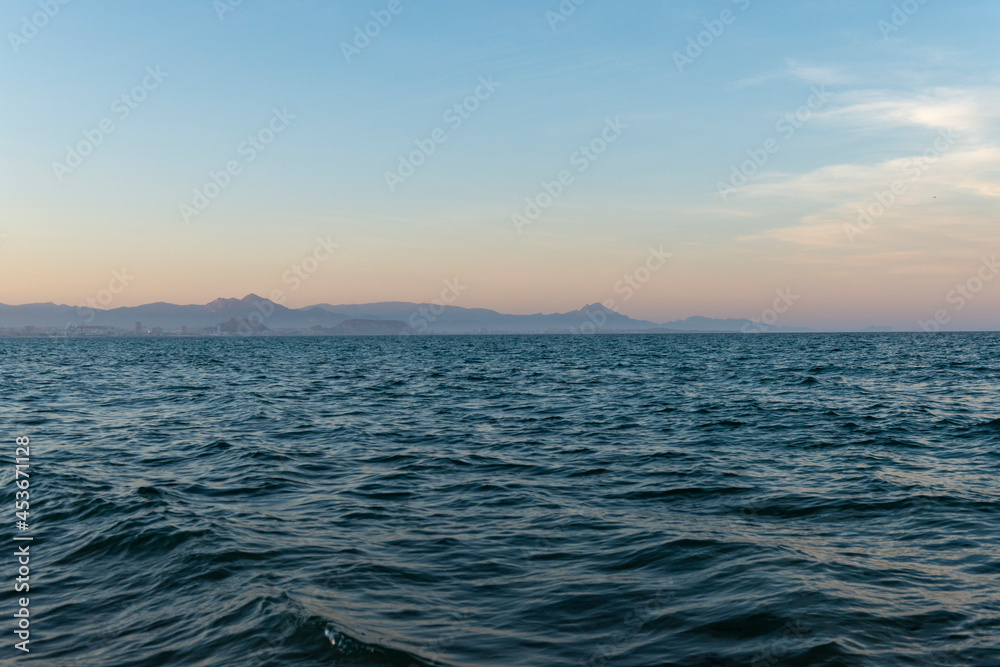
(888, 93)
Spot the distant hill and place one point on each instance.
(255, 314)
(364, 328)
(707, 324)
(169, 316)
(430, 318)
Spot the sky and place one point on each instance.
(674, 158)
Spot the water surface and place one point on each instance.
(522, 500)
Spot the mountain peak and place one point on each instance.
(597, 308)
(221, 303)
(250, 300)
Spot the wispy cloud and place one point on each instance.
(958, 167)
(794, 70)
(965, 110)
(972, 170)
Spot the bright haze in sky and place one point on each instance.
(538, 153)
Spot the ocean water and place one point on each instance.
(521, 500)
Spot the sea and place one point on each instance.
(544, 501)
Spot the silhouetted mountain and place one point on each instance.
(433, 318)
(373, 318)
(730, 325)
(170, 316)
(364, 328)
(37, 315)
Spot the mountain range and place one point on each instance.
(256, 315)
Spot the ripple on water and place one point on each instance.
(628, 500)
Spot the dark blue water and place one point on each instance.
(543, 501)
